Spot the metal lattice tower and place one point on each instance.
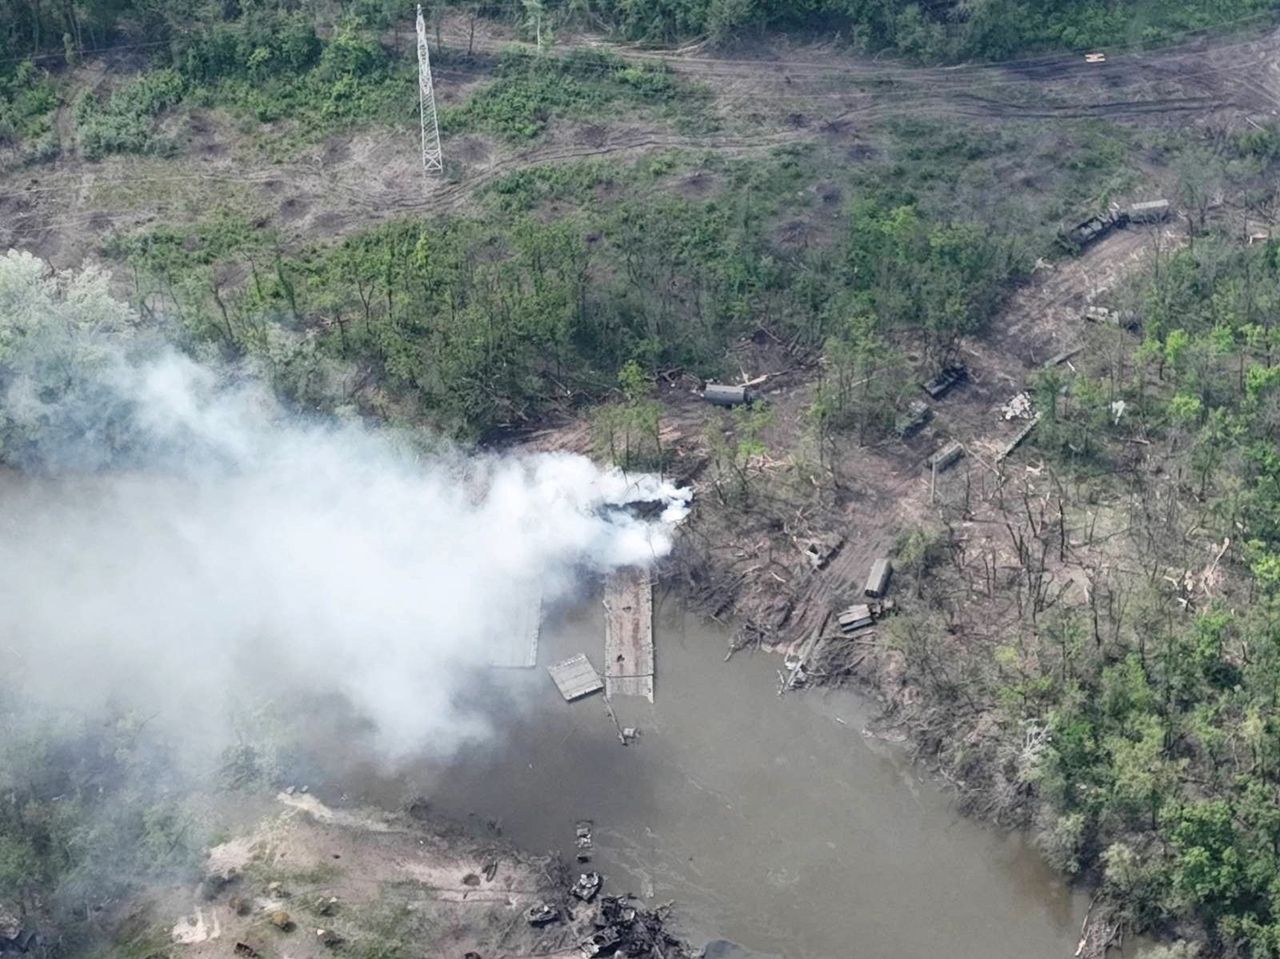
(432, 158)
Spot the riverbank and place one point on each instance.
(308, 881)
(792, 825)
(990, 555)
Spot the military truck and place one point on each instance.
(1075, 239)
(912, 419)
(1149, 211)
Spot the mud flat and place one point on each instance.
(311, 881)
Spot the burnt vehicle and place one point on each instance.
(615, 911)
(602, 943)
(947, 377)
(541, 914)
(587, 886)
(1076, 238)
(912, 420)
(583, 839)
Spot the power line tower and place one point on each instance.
(432, 158)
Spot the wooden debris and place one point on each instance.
(575, 677)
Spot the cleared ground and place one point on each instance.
(764, 98)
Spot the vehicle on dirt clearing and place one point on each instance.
(1149, 211)
(947, 377)
(541, 914)
(1124, 319)
(912, 420)
(1082, 234)
(587, 886)
(602, 943)
(722, 394)
(878, 578)
(945, 457)
(615, 911)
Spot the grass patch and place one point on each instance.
(267, 69)
(125, 122)
(577, 183)
(387, 928)
(1031, 173)
(530, 90)
(177, 249)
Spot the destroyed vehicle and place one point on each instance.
(947, 377)
(1082, 234)
(1124, 319)
(541, 914)
(327, 937)
(602, 943)
(946, 456)
(912, 419)
(587, 886)
(615, 911)
(11, 924)
(583, 839)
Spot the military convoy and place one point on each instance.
(1075, 239)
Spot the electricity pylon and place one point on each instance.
(432, 158)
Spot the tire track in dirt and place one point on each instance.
(61, 203)
(1180, 85)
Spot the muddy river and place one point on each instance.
(772, 821)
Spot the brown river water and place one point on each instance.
(772, 821)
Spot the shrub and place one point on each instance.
(125, 121)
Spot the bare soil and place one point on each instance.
(749, 561)
(374, 880)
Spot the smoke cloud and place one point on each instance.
(173, 534)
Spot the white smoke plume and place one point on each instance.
(169, 536)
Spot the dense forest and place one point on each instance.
(950, 30)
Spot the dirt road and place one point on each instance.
(765, 98)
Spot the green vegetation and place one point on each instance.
(982, 29)
(988, 29)
(27, 104)
(487, 322)
(87, 811)
(125, 121)
(267, 66)
(1136, 720)
(530, 89)
(1164, 745)
(1135, 724)
(272, 67)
